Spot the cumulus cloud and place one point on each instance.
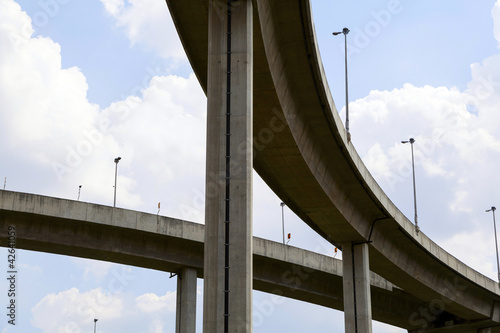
(436, 117)
(48, 124)
(115, 311)
(75, 310)
(164, 133)
(457, 150)
(495, 13)
(480, 254)
(150, 303)
(93, 269)
(44, 109)
(147, 23)
(44, 96)
(56, 140)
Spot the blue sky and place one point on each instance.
(115, 70)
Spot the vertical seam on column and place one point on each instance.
(354, 289)
(228, 169)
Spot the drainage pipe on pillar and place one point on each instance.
(357, 298)
(227, 220)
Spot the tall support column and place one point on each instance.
(227, 301)
(357, 298)
(185, 316)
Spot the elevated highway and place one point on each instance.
(302, 152)
(128, 237)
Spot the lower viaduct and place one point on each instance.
(259, 65)
(87, 230)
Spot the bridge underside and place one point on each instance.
(301, 151)
(144, 240)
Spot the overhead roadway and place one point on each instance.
(133, 238)
(302, 153)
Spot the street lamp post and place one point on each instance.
(283, 220)
(411, 141)
(496, 242)
(345, 31)
(95, 322)
(116, 173)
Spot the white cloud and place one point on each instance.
(436, 117)
(163, 134)
(150, 303)
(113, 7)
(115, 311)
(148, 23)
(475, 248)
(75, 310)
(495, 13)
(47, 123)
(378, 162)
(157, 326)
(93, 269)
(45, 117)
(15, 23)
(43, 101)
(457, 151)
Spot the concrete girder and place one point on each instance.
(227, 301)
(364, 212)
(145, 240)
(319, 175)
(185, 311)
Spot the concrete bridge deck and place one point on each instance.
(128, 237)
(312, 167)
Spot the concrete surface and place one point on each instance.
(185, 310)
(157, 242)
(357, 297)
(227, 302)
(306, 160)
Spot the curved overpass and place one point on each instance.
(312, 167)
(128, 237)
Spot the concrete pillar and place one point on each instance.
(357, 298)
(185, 316)
(229, 199)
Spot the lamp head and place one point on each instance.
(282, 204)
(344, 31)
(491, 210)
(117, 159)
